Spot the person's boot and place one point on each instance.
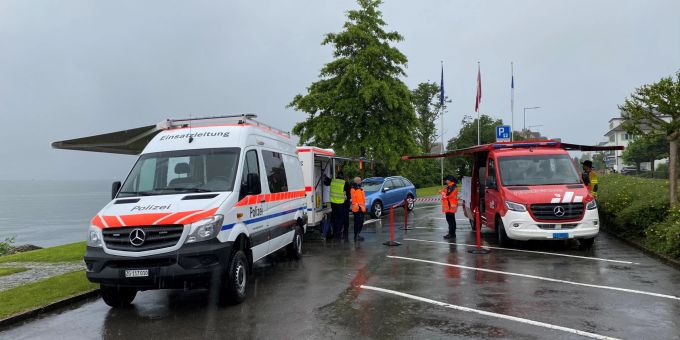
(358, 238)
(450, 237)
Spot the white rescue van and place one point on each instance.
(206, 199)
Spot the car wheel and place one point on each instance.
(586, 243)
(411, 203)
(235, 281)
(295, 248)
(118, 297)
(503, 239)
(377, 209)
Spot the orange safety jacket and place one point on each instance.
(449, 200)
(358, 200)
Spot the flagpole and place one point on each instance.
(512, 102)
(479, 139)
(441, 122)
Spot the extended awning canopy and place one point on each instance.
(127, 142)
(133, 141)
(513, 145)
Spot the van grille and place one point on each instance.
(572, 211)
(156, 237)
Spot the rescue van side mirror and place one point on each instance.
(491, 183)
(115, 187)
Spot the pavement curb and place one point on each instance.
(665, 259)
(5, 323)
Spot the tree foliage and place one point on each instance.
(428, 108)
(655, 109)
(646, 149)
(360, 106)
(467, 137)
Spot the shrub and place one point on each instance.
(664, 237)
(6, 245)
(641, 213)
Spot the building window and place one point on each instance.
(611, 138)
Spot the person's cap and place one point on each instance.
(450, 178)
(588, 163)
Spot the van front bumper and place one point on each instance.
(521, 226)
(192, 265)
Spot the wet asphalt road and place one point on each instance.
(321, 296)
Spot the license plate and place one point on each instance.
(560, 235)
(137, 273)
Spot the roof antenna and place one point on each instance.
(191, 137)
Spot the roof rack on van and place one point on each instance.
(244, 118)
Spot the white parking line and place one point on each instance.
(526, 251)
(371, 221)
(458, 219)
(539, 278)
(492, 314)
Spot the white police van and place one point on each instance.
(206, 199)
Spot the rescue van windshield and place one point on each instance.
(182, 171)
(537, 170)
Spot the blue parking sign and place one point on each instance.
(503, 133)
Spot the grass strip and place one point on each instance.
(429, 191)
(10, 271)
(64, 253)
(42, 293)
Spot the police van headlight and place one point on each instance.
(205, 229)
(591, 205)
(94, 237)
(515, 206)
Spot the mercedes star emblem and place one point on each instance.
(137, 237)
(559, 211)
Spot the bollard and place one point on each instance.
(392, 242)
(478, 225)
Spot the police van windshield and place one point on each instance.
(537, 170)
(172, 172)
(371, 186)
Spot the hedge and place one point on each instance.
(639, 208)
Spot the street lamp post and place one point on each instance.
(525, 115)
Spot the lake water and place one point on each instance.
(49, 213)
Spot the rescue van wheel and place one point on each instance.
(117, 297)
(295, 248)
(377, 209)
(586, 243)
(503, 239)
(235, 280)
(411, 203)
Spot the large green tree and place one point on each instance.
(655, 109)
(646, 149)
(428, 108)
(467, 137)
(360, 106)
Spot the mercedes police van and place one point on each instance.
(206, 199)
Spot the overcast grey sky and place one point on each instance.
(75, 68)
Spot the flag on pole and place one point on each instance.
(478, 100)
(441, 88)
(512, 88)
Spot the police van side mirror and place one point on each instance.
(115, 187)
(253, 184)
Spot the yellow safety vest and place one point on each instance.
(338, 191)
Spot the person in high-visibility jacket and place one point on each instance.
(590, 177)
(358, 207)
(340, 196)
(449, 196)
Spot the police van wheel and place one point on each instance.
(503, 239)
(295, 248)
(377, 210)
(586, 243)
(117, 297)
(235, 281)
